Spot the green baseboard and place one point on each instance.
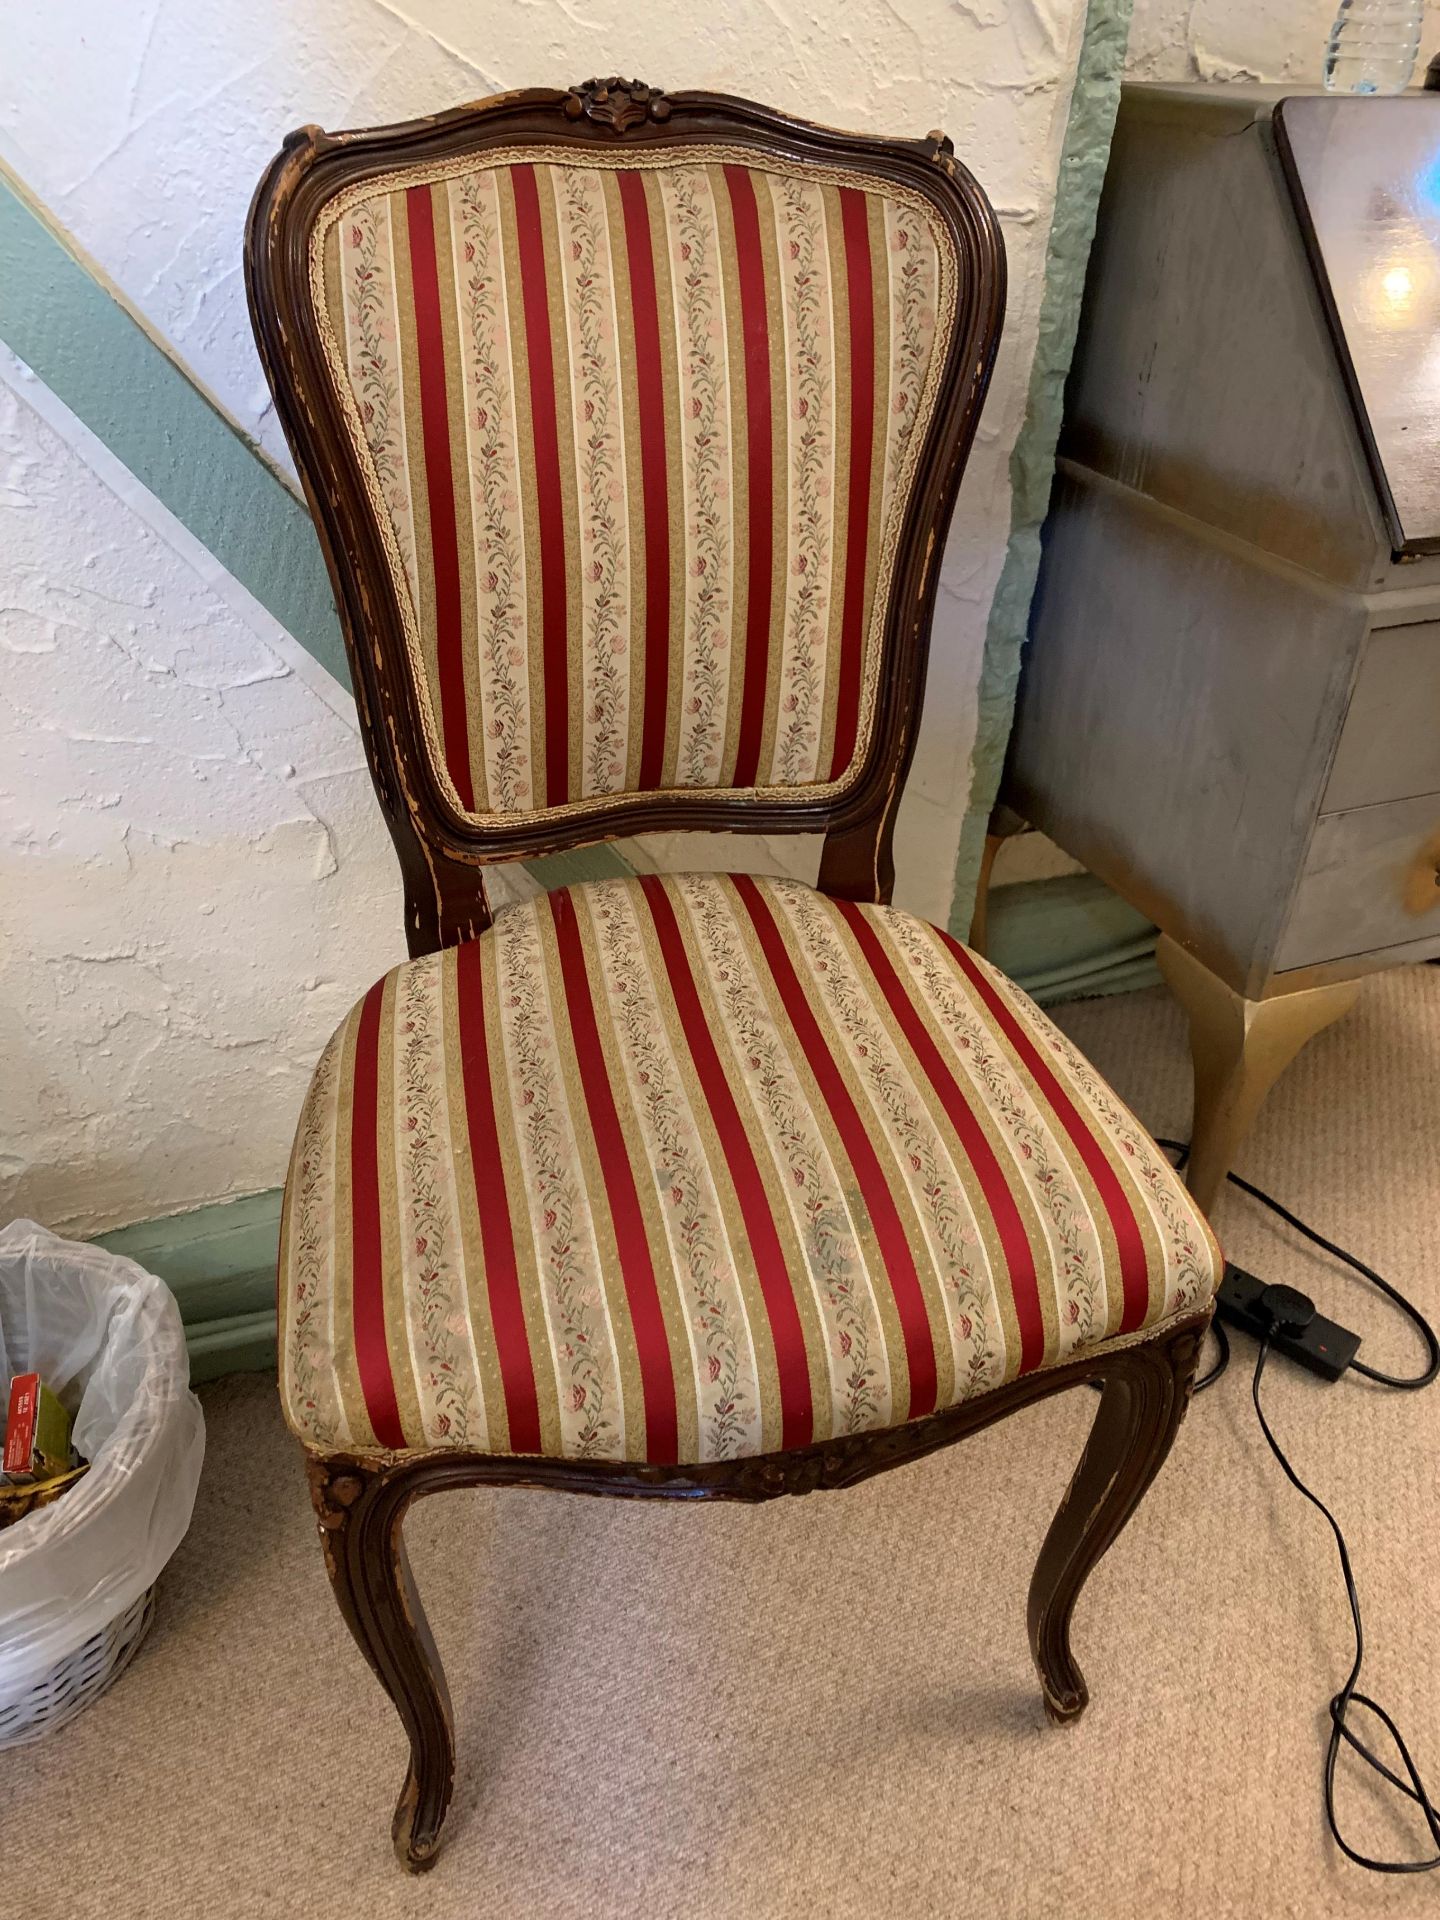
(597, 862)
(1070, 938)
(243, 1343)
(219, 1262)
(1085, 152)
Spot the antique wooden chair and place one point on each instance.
(632, 425)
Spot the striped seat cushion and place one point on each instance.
(679, 1170)
(639, 433)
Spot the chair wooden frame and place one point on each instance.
(442, 854)
(361, 1499)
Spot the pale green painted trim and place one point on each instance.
(219, 1262)
(598, 862)
(1070, 938)
(1093, 106)
(69, 322)
(245, 1343)
(75, 329)
(214, 1251)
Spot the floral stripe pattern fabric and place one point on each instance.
(639, 437)
(686, 1169)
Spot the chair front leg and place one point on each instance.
(1145, 1390)
(361, 1511)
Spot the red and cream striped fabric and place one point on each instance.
(639, 434)
(686, 1169)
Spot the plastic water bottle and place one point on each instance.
(1372, 46)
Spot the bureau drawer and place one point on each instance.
(1390, 743)
(1372, 881)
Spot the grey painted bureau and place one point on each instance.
(1230, 705)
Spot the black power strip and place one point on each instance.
(1322, 1346)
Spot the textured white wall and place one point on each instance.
(145, 127)
(194, 877)
(195, 880)
(1271, 40)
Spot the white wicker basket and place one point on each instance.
(82, 1676)
(77, 1576)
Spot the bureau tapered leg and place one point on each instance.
(1239, 1048)
(1004, 825)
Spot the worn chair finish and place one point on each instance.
(632, 425)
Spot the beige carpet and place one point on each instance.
(826, 1706)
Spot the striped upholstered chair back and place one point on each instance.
(632, 423)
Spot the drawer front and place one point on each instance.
(1372, 881)
(1390, 743)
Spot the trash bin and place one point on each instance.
(77, 1577)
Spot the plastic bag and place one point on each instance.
(106, 1337)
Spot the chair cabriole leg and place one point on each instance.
(360, 1513)
(1145, 1390)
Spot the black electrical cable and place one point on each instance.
(1406, 1383)
(1347, 1697)
(1222, 1357)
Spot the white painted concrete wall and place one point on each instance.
(144, 127)
(163, 1050)
(195, 880)
(1269, 40)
